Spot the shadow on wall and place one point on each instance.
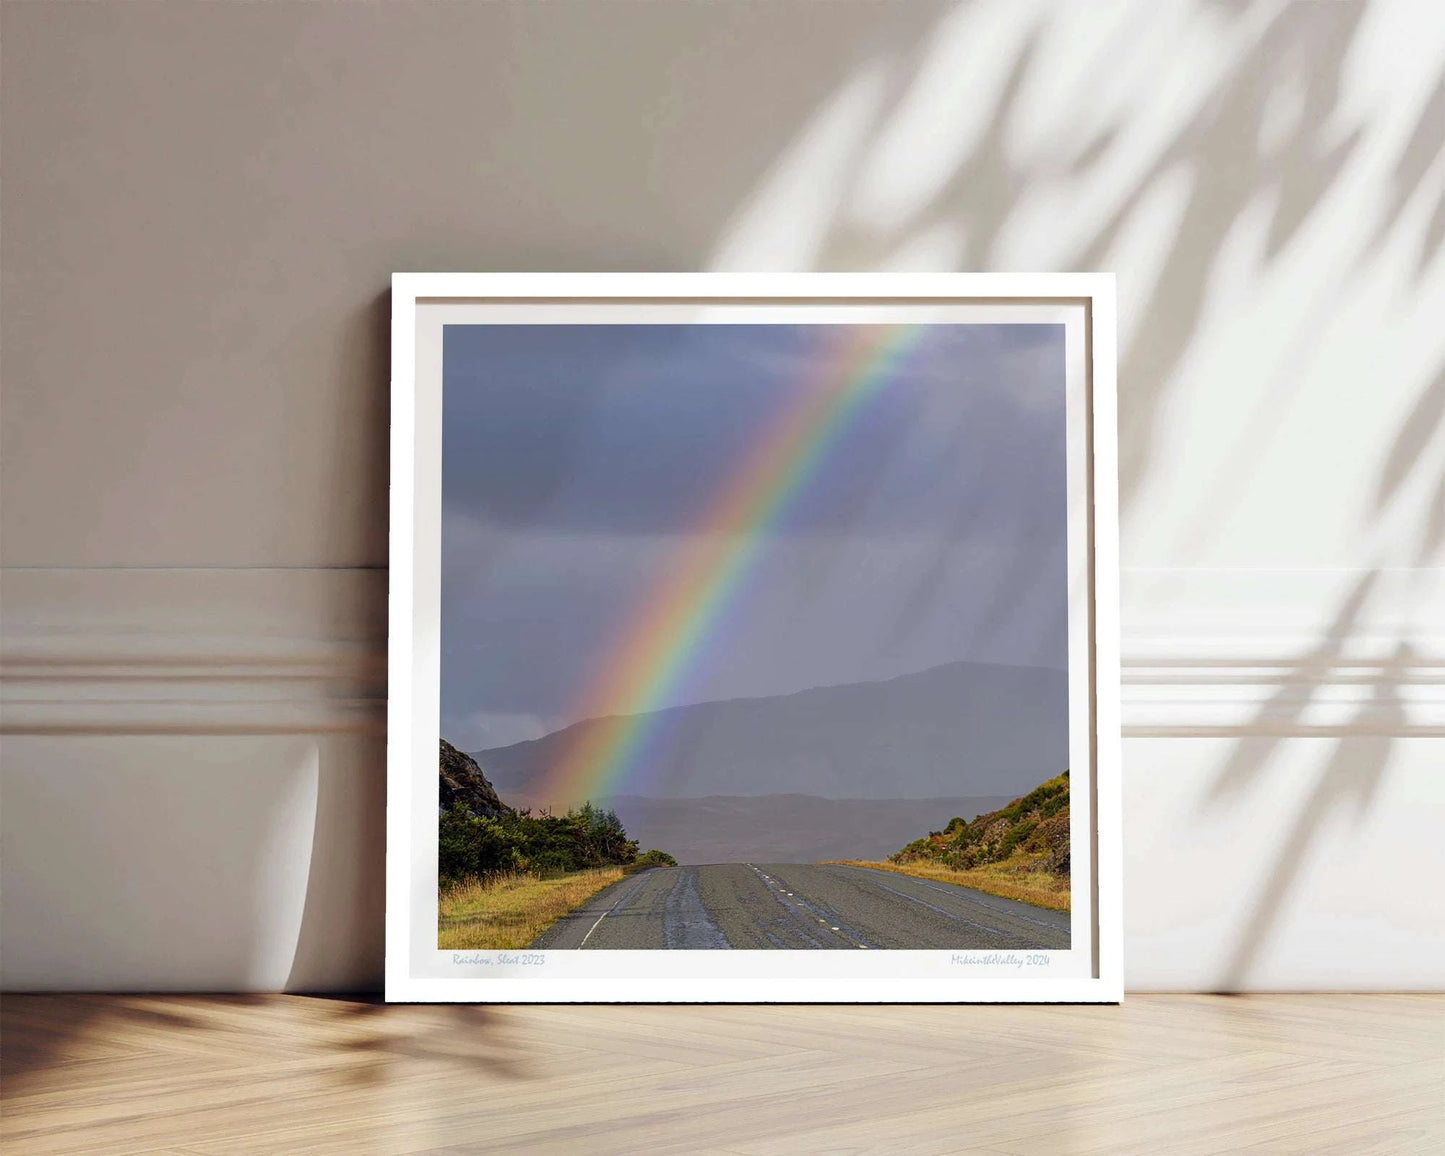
(948, 155)
(1191, 152)
(1351, 775)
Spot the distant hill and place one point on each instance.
(784, 828)
(961, 730)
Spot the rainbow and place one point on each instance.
(667, 635)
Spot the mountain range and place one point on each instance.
(958, 731)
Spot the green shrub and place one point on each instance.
(1016, 835)
(653, 858)
(520, 841)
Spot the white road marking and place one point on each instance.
(593, 928)
(780, 891)
(601, 917)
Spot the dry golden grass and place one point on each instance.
(510, 912)
(1009, 879)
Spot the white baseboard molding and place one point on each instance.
(194, 651)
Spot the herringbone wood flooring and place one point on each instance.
(288, 1074)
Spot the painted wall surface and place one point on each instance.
(202, 205)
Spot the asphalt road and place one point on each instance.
(799, 905)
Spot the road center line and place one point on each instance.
(806, 907)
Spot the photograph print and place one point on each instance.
(754, 636)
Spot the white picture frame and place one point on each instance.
(1090, 970)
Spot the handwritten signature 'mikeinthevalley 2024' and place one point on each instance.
(1003, 959)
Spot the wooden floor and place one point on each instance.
(289, 1074)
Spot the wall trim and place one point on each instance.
(190, 651)
(256, 651)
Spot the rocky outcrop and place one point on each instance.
(463, 785)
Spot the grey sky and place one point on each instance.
(576, 458)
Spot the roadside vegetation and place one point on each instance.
(1019, 852)
(1027, 886)
(506, 912)
(505, 875)
(519, 843)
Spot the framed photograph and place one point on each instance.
(753, 638)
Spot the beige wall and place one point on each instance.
(202, 204)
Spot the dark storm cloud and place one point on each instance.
(633, 428)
